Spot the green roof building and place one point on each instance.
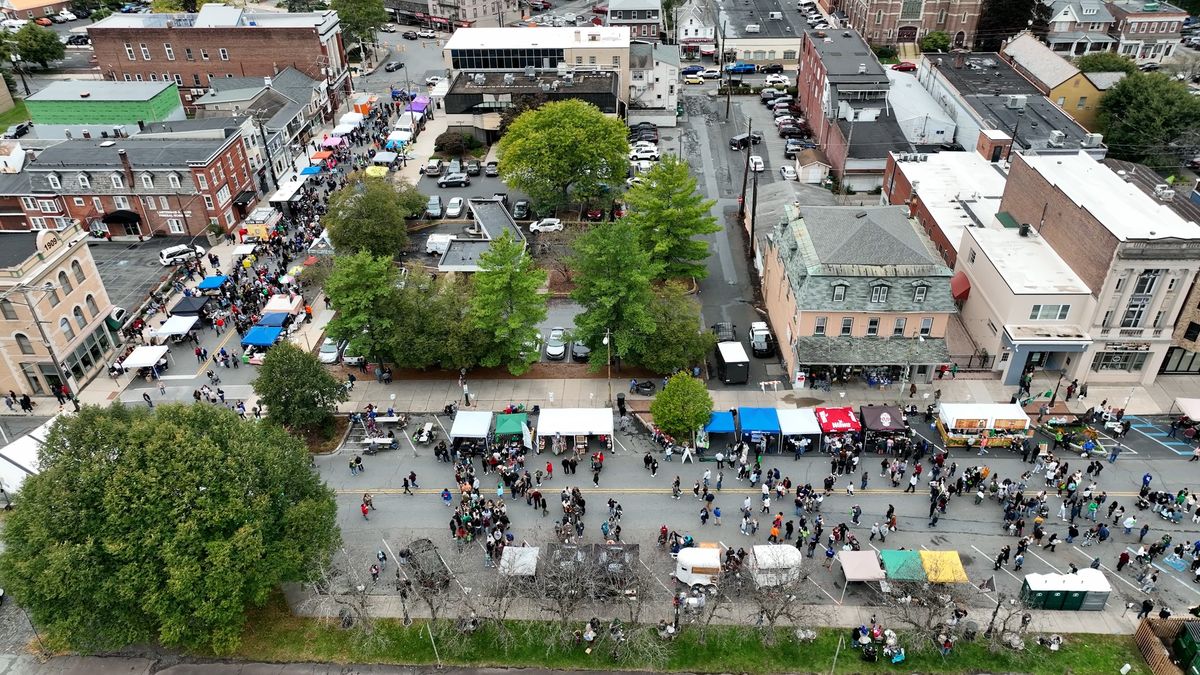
(99, 106)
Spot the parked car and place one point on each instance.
(779, 79)
(426, 33)
(643, 153)
(433, 208)
(580, 352)
(474, 168)
(793, 148)
(78, 40)
(455, 207)
(771, 68)
(693, 79)
(392, 66)
(905, 66)
(18, 130)
(787, 172)
(409, 35)
(547, 225)
(351, 357)
(388, 28)
(691, 70)
(791, 131)
(556, 347)
(502, 196)
(756, 164)
(600, 9)
(43, 21)
(492, 169)
(740, 68)
(454, 166)
(454, 180)
(710, 74)
(433, 80)
(330, 351)
(433, 167)
(521, 210)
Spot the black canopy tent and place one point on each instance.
(192, 306)
(881, 422)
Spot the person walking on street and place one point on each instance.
(717, 516)
(1112, 456)
(1147, 607)
(1018, 562)
(146, 398)
(407, 487)
(368, 500)
(363, 508)
(1122, 560)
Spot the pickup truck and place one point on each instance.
(740, 68)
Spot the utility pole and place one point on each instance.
(753, 217)
(746, 170)
(728, 81)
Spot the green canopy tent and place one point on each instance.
(903, 565)
(513, 427)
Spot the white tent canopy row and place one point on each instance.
(1189, 407)
(244, 249)
(145, 357)
(575, 422)
(352, 119)
(19, 460)
(798, 422)
(471, 424)
(176, 325)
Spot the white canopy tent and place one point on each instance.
(144, 357)
(176, 325)
(244, 249)
(342, 129)
(19, 459)
(1189, 407)
(471, 424)
(798, 422)
(351, 118)
(575, 422)
(519, 561)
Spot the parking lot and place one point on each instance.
(130, 270)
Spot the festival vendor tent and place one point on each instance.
(397, 139)
(471, 424)
(903, 565)
(720, 422)
(420, 104)
(574, 422)
(342, 129)
(837, 420)
(212, 283)
(384, 158)
(145, 357)
(321, 156)
(943, 567)
(189, 306)
(351, 118)
(176, 325)
(261, 336)
(244, 249)
(274, 319)
(289, 191)
(19, 459)
(795, 422)
(1189, 407)
(980, 416)
(883, 418)
(755, 422)
(859, 566)
(310, 171)
(376, 171)
(519, 561)
(331, 142)
(285, 304)
(515, 424)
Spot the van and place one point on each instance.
(437, 244)
(761, 342)
(733, 366)
(739, 142)
(775, 16)
(753, 28)
(177, 254)
(409, 123)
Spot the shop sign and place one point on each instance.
(969, 424)
(1015, 425)
(1128, 346)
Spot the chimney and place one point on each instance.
(127, 166)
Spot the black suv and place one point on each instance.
(725, 331)
(771, 68)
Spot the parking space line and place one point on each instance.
(814, 583)
(993, 562)
(1170, 573)
(1109, 570)
(651, 572)
(1156, 440)
(1045, 561)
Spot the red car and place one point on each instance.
(905, 66)
(600, 9)
(43, 21)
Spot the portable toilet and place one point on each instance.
(1035, 589)
(1098, 589)
(1187, 647)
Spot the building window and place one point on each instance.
(77, 270)
(148, 202)
(847, 325)
(971, 256)
(24, 344)
(839, 293)
(84, 181)
(91, 305)
(879, 293)
(64, 282)
(202, 180)
(52, 296)
(128, 78)
(879, 17)
(175, 225)
(1082, 103)
(203, 54)
(147, 181)
(818, 328)
(129, 52)
(80, 320)
(1158, 319)
(37, 223)
(178, 79)
(591, 60)
(1134, 313)
(196, 79)
(1147, 281)
(98, 204)
(1120, 283)
(1192, 331)
(873, 326)
(154, 77)
(29, 203)
(224, 54)
(1127, 361)
(173, 180)
(919, 293)
(617, 61)
(117, 181)
(163, 204)
(579, 60)
(121, 202)
(145, 51)
(78, 201)
(898, 327)
(941, 16)
(6, 309)
(67, 331)
(926, 325)
(47, 206)
(208, 202)
(789, 55)
(187, 54)
(1049, 312)
(54, 181)
(169, 50)
(992, 327)
(1062, 101)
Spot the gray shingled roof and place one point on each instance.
(869, 351)
(143, 154)
(16, 247)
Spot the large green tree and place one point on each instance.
(1000, 20)
(363, 288)
(507, 304)
(671, 214)
(369, 215)
(163, 525)
(433, 328)
(520, 104)
(1150, 118)
(1105, 62)
(360, 18)
(37, 44)
(677, 342)
(936, 41)
(682, 407)
(297, 391)
(613, 276)
(562, 150)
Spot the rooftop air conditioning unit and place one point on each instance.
(1056, 139)
(1015, 102)
(509, 79)
(1092, 140)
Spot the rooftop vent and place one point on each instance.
(861, 214)
(862, 69)
(85, 94)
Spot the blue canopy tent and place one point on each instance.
(310, 171)
(720, 422)
(212, 283)
(760, 424)
(274, 320)
(261, 336)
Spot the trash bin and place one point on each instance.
(621, 404)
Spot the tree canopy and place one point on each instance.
(671, 214)
(38, 44)
(369, 215)
(613, 283)
(1000, 20)
(507, 304)
(562, 150)
(682, 407)
(936, 41)
(296, 389)
(360, 18)
(677, 342)
(1105, 62)
(362, 288)
(163, 525)
(433, 327)
(1150, 118)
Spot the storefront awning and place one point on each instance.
(721, 422)
(837, 420)
(244, 197)
(762, 420)
(960, 285)
(869, 351)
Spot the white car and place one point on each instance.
(433, 80)
(644, 145)
(454, 207)
(788, 173)
(710, 74)
(643, 153)
(785, 119)
(556, 345)
(636, 180)
(426, 33)
(642, 166)
(330, 351)
(756, 164)
(547, 225)
(777, 78)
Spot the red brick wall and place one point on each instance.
(1082, 241)
(898, 190)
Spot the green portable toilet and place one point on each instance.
(1187, 645)
(1055, 599)
(1073, 601)
(1034, 598)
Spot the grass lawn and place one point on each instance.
(17, 114)
(273, 634)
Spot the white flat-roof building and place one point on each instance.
(546, 49)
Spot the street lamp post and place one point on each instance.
(608, 346)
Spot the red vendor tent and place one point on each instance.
(837, 420)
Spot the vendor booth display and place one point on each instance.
(799, 430)
(212, 283)
(902, 566)
(191, 306)
(760, 428)
(719, 422)
(943, 567)
(564, 429)
(883, 423)
(519, 561)
(982, 425)
(262, 336)
(284, 304)
(471, 430)
(275, 320)
(838, 420)
(145, 357)
(176, 326)
(860, 567)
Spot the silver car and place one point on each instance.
(556, 345)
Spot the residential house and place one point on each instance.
(1078, 27)
(68, 108)
(654, 81)
(1077, 93)
(642, 18)
(855, 293)
(697, 28)
(1147, 31)
(33, 9)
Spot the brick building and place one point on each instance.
(130, 186)
(220, 41)
(1147, 31)
(890, 22)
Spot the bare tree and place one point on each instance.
(703, 609)
(342, 585)
(1185, 67)
(1009, 619)
(429, 574)
(775, 603)
(496, 601)
(566, 581)
(925, 607)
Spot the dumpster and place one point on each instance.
(1187, 647)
